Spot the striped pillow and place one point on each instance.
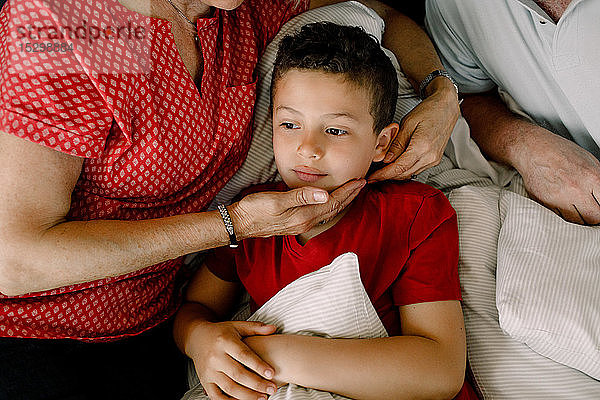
(548, 283)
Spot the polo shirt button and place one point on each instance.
(543, 22)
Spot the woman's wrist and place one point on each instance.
(241, 222)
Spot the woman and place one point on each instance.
(108, 190)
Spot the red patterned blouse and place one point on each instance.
(154, 144)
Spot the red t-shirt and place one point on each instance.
(154, 145)
(404, 234)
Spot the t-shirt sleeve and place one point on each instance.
(221, 262)
(431, 271)
(46, 96)
(444, 25)
(270, 15)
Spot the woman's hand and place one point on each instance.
(423, 135)
(225, 365)
(290, 213)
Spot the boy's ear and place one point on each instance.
(384, 140)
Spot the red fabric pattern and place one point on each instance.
(154, 145)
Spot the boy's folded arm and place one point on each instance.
(428, 361)
(221, 359)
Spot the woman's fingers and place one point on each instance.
(303, 197)
(289, 213)
(340, 199)
(311, 196)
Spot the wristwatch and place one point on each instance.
(427, 80)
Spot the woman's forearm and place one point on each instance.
(400, 367)
(81, 251)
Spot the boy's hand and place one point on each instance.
(226, 366)
(290, 213)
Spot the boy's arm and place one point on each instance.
(425, 131)
(428, 361)
(223, 362)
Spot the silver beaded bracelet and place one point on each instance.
(233, 243)
(427, 80)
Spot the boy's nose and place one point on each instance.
(310, 147)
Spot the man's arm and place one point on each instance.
(557, 172)
(428, 361)
(425, 131)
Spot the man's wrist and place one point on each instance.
(443, 85)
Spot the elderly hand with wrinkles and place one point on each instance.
(424, 134)
(562, 176)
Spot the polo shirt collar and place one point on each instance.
(532, 5)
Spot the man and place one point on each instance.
(543, 59)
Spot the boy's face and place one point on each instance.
(323, 130)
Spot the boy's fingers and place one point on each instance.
(248, 379)
(213, 392)
(251, 328)
(232, 388)
(245, 356)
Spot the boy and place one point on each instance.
(333, 96)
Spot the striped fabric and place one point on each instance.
(548, 289)
(503, 367)
(330, 302)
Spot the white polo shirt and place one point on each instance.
(551, 70)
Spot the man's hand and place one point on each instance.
(423, 135)
(564, 177)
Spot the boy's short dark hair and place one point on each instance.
(347, 50)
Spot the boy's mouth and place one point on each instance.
(308, 174)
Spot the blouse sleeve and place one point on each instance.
(45, 95)
(431, 271)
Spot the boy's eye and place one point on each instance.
(336, 131)
(289, 125)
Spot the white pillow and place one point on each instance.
(548, 283)
(329, 302)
